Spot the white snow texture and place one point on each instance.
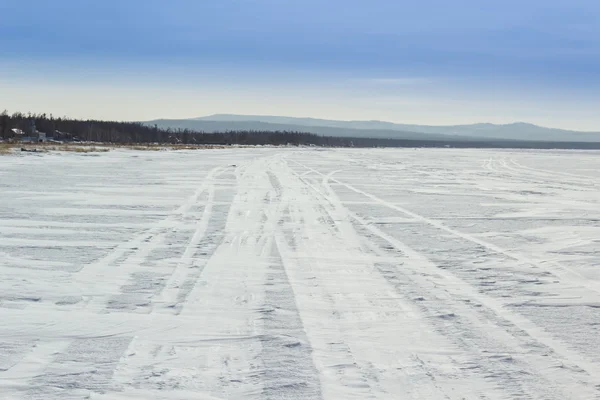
(272, 273)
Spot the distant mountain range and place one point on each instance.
(377, 129)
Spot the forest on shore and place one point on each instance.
(70, 129)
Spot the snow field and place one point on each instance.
(300, 274)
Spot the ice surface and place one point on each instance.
(300, 274)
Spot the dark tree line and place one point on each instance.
(69, 129)
(62, 128)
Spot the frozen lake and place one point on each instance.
(300, 274)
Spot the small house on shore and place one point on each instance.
(19, 133)
(32, 136)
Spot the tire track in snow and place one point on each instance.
(572, 362)
(544, 174)
(286, 352)
(339, 371)
(514, 360)
(432, 385)
(131, 256)
(217, 293)
(243, 289)
(535, 177)
(170, 293)
(358, 304)
(92, 280)
(558, 270)
(137, 367)
(64, 336)
(509, 169)
(85, 366)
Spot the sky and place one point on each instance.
(434, 62)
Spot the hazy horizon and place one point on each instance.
(365, 120)
(207, 116)
(431, 63)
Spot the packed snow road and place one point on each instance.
(300, 274)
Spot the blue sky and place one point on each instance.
(430, 62)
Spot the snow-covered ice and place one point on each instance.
(300, 274)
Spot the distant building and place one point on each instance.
(32, 136)
(23, 136)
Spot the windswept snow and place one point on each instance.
(300, 274)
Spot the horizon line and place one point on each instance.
(374, 120)
(304, 117)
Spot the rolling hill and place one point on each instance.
(377, 129)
